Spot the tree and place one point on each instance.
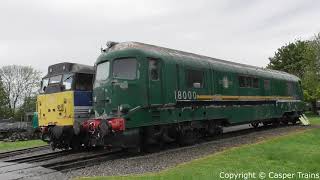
(311, 81)
(301, 58)
(295, 58)
(29, 105)
(311, 86)
(315, 43)
(4, 110)
(19, 82)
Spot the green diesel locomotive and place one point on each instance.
(146, 95)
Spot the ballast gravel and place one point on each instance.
(155, 162)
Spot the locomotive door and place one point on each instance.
(155, 82)
(127, 85)
(266, 87)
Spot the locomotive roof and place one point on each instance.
(67, 67)
(196, 59)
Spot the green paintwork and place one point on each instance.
(35, 121)
(143, 95)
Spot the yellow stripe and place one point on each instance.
(219, 97)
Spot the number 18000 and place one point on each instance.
(185, 95)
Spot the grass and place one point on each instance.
(292, 153)
(10, 146)
(314, 119)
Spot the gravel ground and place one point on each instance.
(169, 158)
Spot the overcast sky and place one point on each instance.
(42, 32)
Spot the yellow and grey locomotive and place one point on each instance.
(64, 102)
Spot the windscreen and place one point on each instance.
(51, 84)
(102, 71)
(44, 84)
(67, 81)
(55, 79)
(125, 68)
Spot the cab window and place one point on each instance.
(44, 84)
(154, 69)
(83, 82)
(125, 68)
(55, 79)
(194, 78)
(67, 81)
(102, 72)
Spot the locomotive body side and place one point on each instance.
(147, 94)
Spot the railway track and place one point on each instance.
(64, 165)
(68, 160)
(40, 158)
(22, 151)
(89, 160)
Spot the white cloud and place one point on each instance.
(43, 32)
(3, 50)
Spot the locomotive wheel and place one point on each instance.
(284, 122)
(265, 123)
(276, 123)
(214, 130)
(45, 137)
(218, 131)
(75, 144)
(294, 122)
(149, 145)
(151, 148)
(255, 124)
(186, 138)
(52, 145)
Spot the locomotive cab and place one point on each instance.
(66, 82)
(117, 86)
